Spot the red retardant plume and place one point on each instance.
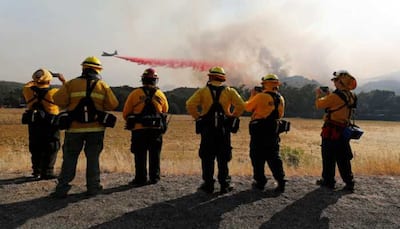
(174, 63)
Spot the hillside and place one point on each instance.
(298, 81)
(10, 93)
(388, 85)
(389, 82)
(298, 92)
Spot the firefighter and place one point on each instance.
(145, 112)
(44, 138)
(216, 100)
(87, 136)
(267, 106)
(335, 148)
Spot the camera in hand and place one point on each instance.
(55, 74)
(258, 89)
(324, 89)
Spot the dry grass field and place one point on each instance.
(174, 202)
(376, 153)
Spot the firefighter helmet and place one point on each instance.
(217, 73)
(150, 73)
(42, 76)
(270, 77)
(345, 78)
(270, 82)
(92, 62)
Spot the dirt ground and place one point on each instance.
(175, 203)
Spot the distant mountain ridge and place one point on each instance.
(387, 82)
(298, 81)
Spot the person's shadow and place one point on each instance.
(196, 210)
(14, 215)
(306, 212)
(18, 180)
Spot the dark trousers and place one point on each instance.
(145, 141)
(215, 145)
(265, 148)
(92, 145)
(336, 152)
(44, 143)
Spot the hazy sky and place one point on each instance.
(295, 37)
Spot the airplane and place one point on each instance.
(110, 54)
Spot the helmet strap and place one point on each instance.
(149, 81)
(90, 73)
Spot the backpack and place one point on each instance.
(148, 117)
(215, 118)
(343, 96)
(270, 125)
(38, 114)
(277, 100)
(350, 131)
(148, 109)
(281, 124)
(85, 111)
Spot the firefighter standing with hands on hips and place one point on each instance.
(85, 132)
(267, 107)
(215, 123)
(145, 112)
(335, 148)
(44, 138)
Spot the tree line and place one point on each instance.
(300, 102)
(373, 105)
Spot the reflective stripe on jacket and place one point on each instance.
(202, 99)
(69, 95)
(135, 102)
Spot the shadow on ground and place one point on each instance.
(306, 212)
(16, 214)
(197, 210)
(18, 180)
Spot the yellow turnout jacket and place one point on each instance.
(332, 101)
(69, 95)
(135, 102)
(262, 104)
(202, 99)
(29, 95)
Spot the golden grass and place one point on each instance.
(375, 154)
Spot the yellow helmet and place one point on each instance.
(218, 73)
(270, 77)
(270, 82)
(346, 79)
(92, 62)
(42, 76)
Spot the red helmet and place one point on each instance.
(150, 73)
